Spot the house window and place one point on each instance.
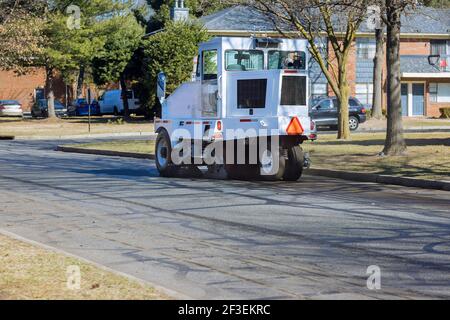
(364, 93)
(365, 48)
(438, 47)
(433, 92)
(439, 92)
(318, 90)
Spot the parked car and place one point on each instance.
(324, 112)
(10, 108)
(80, 107)
(40, 109)
(111, 102)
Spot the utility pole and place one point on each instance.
(89, 110)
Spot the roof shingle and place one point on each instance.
(244, 19)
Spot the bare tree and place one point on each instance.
(391, 12)
(378, 62)
(338, 21)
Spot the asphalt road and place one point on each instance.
(212, 239)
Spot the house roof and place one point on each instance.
(242, 19)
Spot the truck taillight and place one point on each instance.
(219, 125)
(313, 125)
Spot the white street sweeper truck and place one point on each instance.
(246, 111)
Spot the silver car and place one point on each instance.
(10, 108)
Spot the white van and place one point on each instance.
(111, 102)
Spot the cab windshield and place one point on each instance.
(244, 60)
(287, 59)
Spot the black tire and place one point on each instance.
(294, 164)
(278, 175)
(116, 112)
(353, 123)
(163, 151)
(33, 115)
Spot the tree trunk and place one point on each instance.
(378, 75)
(395, 143)
(50, 93)
(80, 82)
(344, 94)
(126, 109)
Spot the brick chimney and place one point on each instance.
(179, 12)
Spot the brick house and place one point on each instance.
(424, 49)
(30, 87)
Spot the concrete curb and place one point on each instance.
(7, 137)
(345, 175)
(410, 129)
(87, 136)
(379, 178)
(106, 152)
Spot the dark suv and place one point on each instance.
(324, 112)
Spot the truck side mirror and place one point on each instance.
(161, 87)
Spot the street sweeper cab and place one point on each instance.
(246, 111)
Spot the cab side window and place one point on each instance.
(209, 60)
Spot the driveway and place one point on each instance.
(222, 239)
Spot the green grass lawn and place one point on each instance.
(28, 272)
(429, 123)
(428, 154)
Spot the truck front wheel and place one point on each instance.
(163, 151)
(294, 164)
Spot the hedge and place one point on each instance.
(445, 112)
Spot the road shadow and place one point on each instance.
(115, 172)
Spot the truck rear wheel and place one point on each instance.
(163, 151)
(270, 169)
(294, 164)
